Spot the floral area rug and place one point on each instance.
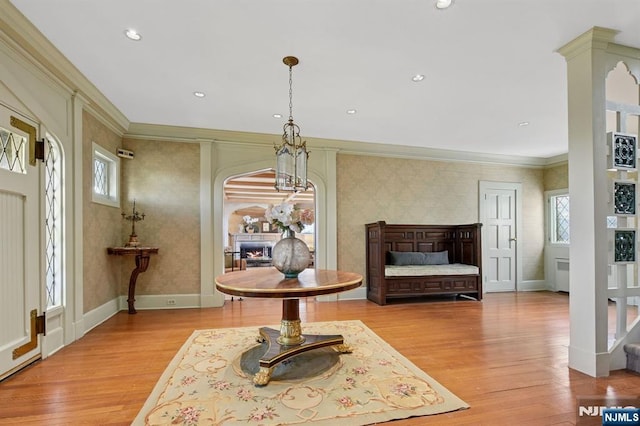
(209, 382)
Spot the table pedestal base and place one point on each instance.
(143, 255)
(277, 353)
(142, 263)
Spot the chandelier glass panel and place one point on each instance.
(291, 154)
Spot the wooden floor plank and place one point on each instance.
(505, 356)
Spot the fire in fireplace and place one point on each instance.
(257, 251)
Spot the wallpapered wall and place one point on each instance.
(556, 177)
(431, 192)
(164, 179)
(101, 224)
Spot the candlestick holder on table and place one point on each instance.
(134, 217)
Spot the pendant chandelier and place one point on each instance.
(291, 154)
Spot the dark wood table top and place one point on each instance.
(132, 250)
(271, 283)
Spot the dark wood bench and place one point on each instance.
(462, 242)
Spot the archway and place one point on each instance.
(250, 237)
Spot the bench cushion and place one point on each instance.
(430, 270)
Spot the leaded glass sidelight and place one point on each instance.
(560, 225)
(624, 198)
(625, 246)
(53, 223)
(623, 151)
(13, 149)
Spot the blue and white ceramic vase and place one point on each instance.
(290, 255)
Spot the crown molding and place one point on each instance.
(558, 160)
(31, 45)
(28, 42)
(197, 135)
(594, 38)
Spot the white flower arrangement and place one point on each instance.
(248, 220)
(288, 216)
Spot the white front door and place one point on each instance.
(498, 208)
(19, 244)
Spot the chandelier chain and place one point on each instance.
(290, 93)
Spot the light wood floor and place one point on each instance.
(506, 357)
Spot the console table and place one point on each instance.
(270, 283)
(142, 257)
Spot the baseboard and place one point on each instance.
(97, 316)
(592, 364)
(355, 294)
(534, 285)
(78, 331)
(53, 343)
(162, 301)
(102, 313)
(359, 293)
(215, 300)
(529, 285)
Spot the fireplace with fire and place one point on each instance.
(256, 253)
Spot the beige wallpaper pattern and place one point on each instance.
(556, 177)
(432, 192)
(164, 179)
(101, 224)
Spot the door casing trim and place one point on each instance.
(484, 187)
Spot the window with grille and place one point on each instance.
(12, 151)
(101, 180)
(559, 215)
(106, 172)
(53, 223)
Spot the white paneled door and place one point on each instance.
(498, 204)
(20, 303)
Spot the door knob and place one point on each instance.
(512, 239)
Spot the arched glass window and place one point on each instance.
(53, 222)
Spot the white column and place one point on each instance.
(586, 75)
(73, 211)
(209, 262)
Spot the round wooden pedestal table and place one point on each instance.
(270, 283)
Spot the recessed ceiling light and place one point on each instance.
(523, 123)
(351, 111)
(417, 77)
(443, 4)
(277, 115)
(199, 94)
(133, 35)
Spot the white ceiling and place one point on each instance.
(488, 64)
